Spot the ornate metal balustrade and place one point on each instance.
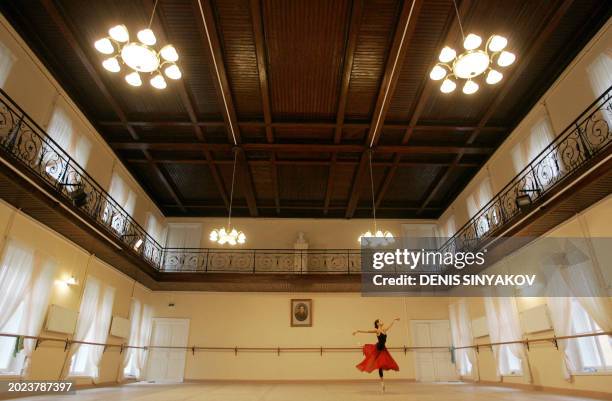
(312, 261)
(26, 144)
(587, 137)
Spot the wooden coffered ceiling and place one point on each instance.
(306, 88)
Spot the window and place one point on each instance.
(125, 198)
(594, 353)
(183, 236)
(61, 130)
(476, 201)
(11, 357)
(25, 286)
(140, 333)
(7, 59)
(461, 331)
(94, 322)
(504, 326)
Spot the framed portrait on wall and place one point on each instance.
(301, 313)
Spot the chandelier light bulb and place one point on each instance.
(111, 64)
(470, 87)
(472, 41)
(173, 72)
(437, 73)
(448, 86)
(147, 37)
(119, 33)
(494, 77)
(104, 46)
(447, 54)
(158, 82)
(505, 59)
(169, 53)
(133, 78)
(497, 43)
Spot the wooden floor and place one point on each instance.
(396, 390)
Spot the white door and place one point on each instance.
(433, 365)
(164, 364)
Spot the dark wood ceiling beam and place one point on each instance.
(188, 103)
(212, 44)
(450, 127)
(293, 148)
(347, 68)
(260, 53)
(428, 86)
(302, 162)
(538, 40)
(403, 34)
(208, 206)
(67, 31)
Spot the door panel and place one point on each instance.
(433, 365)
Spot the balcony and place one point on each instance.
(34, 161)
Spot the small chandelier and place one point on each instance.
(376, 237)
(139, 56)
(472, 63)
(229, 235)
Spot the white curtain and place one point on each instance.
(36, 304)
(477, 200)
(183, 236)
(144, 339)
(16, 271)
(129, 355)
(155, 228)
(504, 325)
(121, 192)
(62, 130)
(93, 325)
(560, 314)
(26, 278)
(461, 329)
(600, 72)
(7, 59)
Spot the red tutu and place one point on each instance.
(376, 359)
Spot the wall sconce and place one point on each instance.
(78, 195)
(524, 199)
(68, 282)
(138, 242)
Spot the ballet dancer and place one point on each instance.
(376, 355)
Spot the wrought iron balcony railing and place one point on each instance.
(585, 138)
(25, 144)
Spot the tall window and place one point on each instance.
(7, 59)
(183, 236)
(121, 192)
(25, 287)
(140, 334)
(504, 326)
(594, 353)
(93, 325)
(462, 337)
(476, 201)
(61, 130)
(546, 167)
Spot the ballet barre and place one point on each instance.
(278, 350)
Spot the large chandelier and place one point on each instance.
(139, 57)
(472, 63)
(376, 237)
(229, 235)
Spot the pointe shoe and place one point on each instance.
(382, 386)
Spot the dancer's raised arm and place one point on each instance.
(385, 329)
